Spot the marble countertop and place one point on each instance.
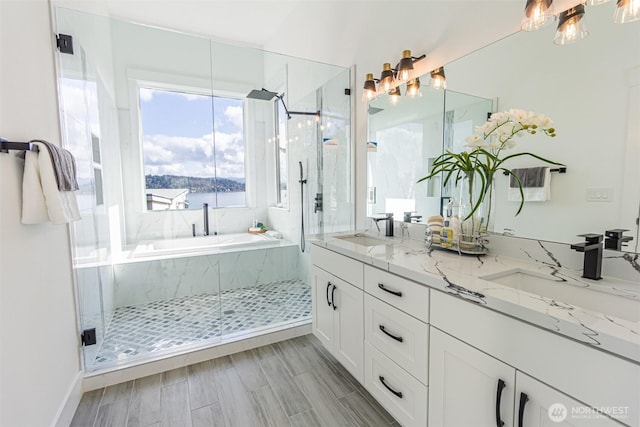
(462, 276)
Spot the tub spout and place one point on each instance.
(205, 213)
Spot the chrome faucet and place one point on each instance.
(592, 248)
(388, 217)
(408, 217)
(205, 213)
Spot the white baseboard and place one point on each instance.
(116, 375)
(70, 403)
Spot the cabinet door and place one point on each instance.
(465, 384)
(322, 310)
(349, 328)
(538, 405)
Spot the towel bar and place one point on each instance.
(5, 146)
(559, 170)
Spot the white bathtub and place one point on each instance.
(208, 244)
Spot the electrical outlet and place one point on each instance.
(602, 194)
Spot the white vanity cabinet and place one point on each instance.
(338, 308)
(397, 344)
(480, 348)
(538, 405)
(434, 359)
(468, 387)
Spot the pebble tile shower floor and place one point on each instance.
(162, 325)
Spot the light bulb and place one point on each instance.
(405, 66)
(537, 14)
(626, 11)
(571, 27)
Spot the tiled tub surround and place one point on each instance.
(460, 276)
(170, 275)
(143, 330)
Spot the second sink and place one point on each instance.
(548, 286)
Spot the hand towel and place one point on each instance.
(536, 184)
(64, 166)
(42, 201)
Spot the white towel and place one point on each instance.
(533, 194)
(41, 200)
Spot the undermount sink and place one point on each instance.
(362, 240)
(548, 286)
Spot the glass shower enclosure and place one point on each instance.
(191, 205)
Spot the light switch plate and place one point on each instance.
(371, 195)
(600, 194)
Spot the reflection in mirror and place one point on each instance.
(463, 113)
(404, 136)
(594, 104)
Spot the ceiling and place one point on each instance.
(359, 33)
(342, 32)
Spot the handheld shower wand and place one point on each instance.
(302, 182)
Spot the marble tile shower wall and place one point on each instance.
(144, 281)
(621, 265)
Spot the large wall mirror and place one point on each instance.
(591, 90)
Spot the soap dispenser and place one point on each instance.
(446, 235)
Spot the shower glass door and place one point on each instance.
(86, 114)
(333, 204)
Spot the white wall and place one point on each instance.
(39, 355)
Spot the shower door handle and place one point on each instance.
(328, 286)
(333, 297)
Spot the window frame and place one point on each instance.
(182, 84)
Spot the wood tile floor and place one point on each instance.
(291, 383)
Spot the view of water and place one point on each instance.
(225, 200)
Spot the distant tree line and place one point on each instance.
(194, 184)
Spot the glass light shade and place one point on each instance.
(386, 77)
(438, 79)
(405, 66)
(571, 26)
(394, 95)
(626, 11)
(537, 14)
(413, 87)
(369, 88)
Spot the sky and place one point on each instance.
(180, 133)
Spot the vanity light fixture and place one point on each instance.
(387, 76)
(370, 90)
(394, 95)
(626, 11)
(537, 14)
(438, 79)
(571, 27)
(405, 66)
(413, 87)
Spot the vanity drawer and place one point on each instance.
(408, 296)
(340, 266)
(402, 338)
(402, 395)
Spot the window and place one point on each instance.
(193, 149)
